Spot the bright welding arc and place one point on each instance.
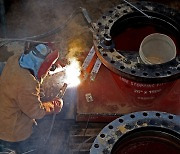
(72, 73)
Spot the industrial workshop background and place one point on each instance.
(120, 101)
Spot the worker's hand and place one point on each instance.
(49, 107)
(58, 104)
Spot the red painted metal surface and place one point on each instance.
(114, 95)
(141, 94)
(109, 101)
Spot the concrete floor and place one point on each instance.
(32, 17)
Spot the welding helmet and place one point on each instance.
(39, 60)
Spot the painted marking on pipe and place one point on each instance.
(95, 69)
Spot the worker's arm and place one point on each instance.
(30, 104)
(29, 101)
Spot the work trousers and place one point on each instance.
(26, 146)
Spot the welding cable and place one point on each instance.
(21, 40)
(137, 9)
(87, 123)
(51, 32)
(50, 131)
(33, 41)
(48, 136)
(80, 146)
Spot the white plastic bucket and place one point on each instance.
(157, 48)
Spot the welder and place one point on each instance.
(20, 102)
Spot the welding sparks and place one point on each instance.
(72, 72)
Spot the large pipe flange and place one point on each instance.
(113, 24)
(147, 132)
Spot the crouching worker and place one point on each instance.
(20, 102)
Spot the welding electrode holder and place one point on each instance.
(62, 91)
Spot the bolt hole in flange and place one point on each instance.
(142, 81)
(145, 114)
(110, 127)
(121, 120)
(148, 132)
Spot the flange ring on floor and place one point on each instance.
(140, 132)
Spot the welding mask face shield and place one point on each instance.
(39, 60)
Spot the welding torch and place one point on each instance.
(62, 91)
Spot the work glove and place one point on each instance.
(58, 104)
(49, 107)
